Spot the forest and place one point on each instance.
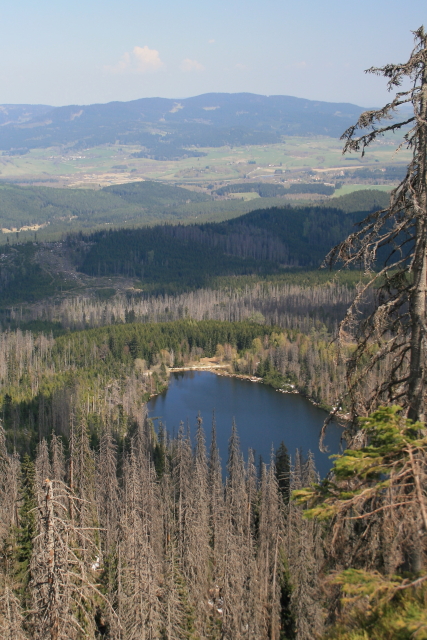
(142, 201)
(73, 382)
(113, 527)
(53, 211)
(274, 241)
(264, 241)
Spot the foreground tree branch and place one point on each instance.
(393, 338)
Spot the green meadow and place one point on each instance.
(114, 164)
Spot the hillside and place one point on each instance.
(165, 127)
(49, 210)
(140, 202)
(272, 240)
(264, 241)
(18, 114)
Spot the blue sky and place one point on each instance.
(79, 52)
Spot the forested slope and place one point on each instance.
(147, 540)
(272, 190)
(141, 202)
(54, 210)
(172, 258)
(259, 242)
(163, 125)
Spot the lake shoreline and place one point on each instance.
(224, 370)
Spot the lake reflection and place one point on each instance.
(263, 416)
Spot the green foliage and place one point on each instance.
(125, 343)
(283, 470)
(106, 357)
(139, 203)
(264, 190)
(165, 258)
(273, 190)
(392, 441)
(152, 194)
(161, 260)
(22, 278)
(383, 476)
(312, 187)
(270, 375)
(363, 200)
(377, 608)
(35, 326)
(70, 208)
(175, 258)
(287, 618)
(105, 293)
(300, 277)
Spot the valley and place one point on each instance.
(115, 164)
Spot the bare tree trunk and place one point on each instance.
(52, 579)
(418, 362)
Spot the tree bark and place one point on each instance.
(418, 361)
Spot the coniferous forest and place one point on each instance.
(114, 527)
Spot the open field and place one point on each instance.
(114, 164)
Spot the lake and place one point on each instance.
(264, 417)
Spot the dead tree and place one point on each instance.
(304, 554)
(394, 336)
(62, 583)
(197, 552)
(9, 473)
(140, 547)
(11, 615)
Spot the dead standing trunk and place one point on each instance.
(53, 595)
(418, 362)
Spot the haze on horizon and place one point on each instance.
(94, 51)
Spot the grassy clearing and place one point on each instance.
(246, 195)
(350, 188)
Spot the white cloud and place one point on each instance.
(147, 59)
(211, 41)
(240, 66)
(191, 65)
(140, 60)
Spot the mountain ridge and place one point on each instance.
(212, 119)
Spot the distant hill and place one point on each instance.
(16, 114)
(165, 128)
(139, 203)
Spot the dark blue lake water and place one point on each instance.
(263, 416)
